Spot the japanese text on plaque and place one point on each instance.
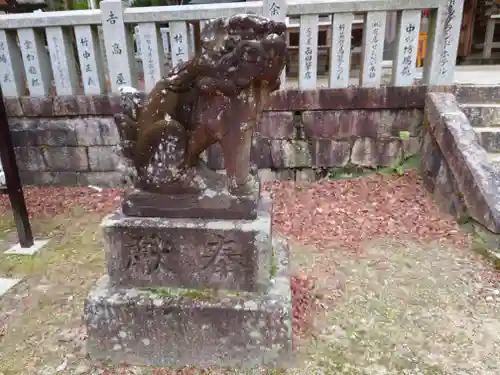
(3, 60)
(309, 54)
(448, 35)
(87, 65)
(409, 39)
(372, 63)
(341, 51)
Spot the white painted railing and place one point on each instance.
(37, 49)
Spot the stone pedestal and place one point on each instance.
(200, 292)
(190, 253)
(194, 276)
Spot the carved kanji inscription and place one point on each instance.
(148, 254)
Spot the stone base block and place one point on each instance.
(190, 253)
(17, 249)
(182, 327)
(218, 205)
(212, 202)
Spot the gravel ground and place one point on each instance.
(405, 308)
(385, 284)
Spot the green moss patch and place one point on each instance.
(274, 263)
(350, 171)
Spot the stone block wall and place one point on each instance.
(303, 134)
(313, 141)
(67, 151)
(73, 140)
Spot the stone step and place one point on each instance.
(489, 137)
(494, 159)
(466, 91)
(482, 114)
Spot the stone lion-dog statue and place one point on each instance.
(216, 97)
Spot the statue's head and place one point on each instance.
(244, 48)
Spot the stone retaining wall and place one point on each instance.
(455, 167)
(73, 140)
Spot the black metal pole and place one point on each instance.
(13, 181)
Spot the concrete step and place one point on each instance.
(480, 114)
(489, 137)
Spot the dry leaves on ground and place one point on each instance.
(326, 214)
(50, 201)
(302, 302)
(348, 212)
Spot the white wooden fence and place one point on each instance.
(37, 49)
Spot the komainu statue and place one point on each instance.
(216, 97)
